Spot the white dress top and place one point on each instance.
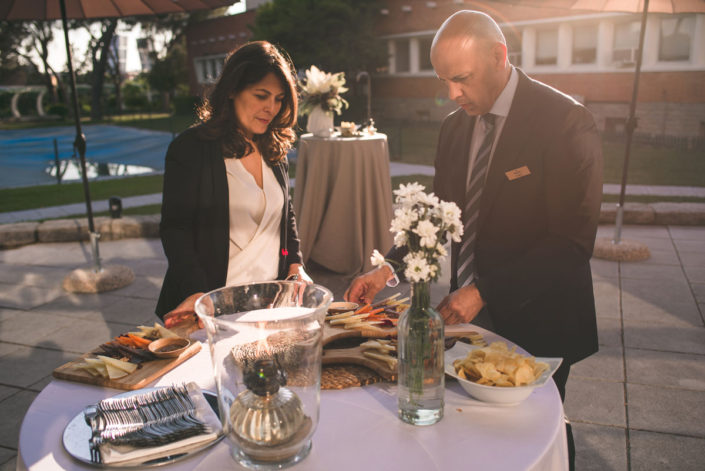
(255, 217)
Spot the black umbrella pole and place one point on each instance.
(630, 127)
(80, 146)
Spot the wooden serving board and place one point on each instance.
(355, 356)
(333, 333)
(141, 377)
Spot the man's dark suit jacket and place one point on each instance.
(535, 233)
(195, 224)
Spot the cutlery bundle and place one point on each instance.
(150, 419)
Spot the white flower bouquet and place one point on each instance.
(423, 223)
(322, 89)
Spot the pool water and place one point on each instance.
(27, 155)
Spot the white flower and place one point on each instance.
(417, 268)
(409, 193)
(441, 251)
(322, 89)
(422, 223)
(377, 258)
(427, 231)
(450, 213)
(404, 217)
(400, 239)
(429, 200)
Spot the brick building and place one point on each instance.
(588, 55)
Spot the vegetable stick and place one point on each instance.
(363, 309)
(375, 345)
(389, 360)
(399, 301)
(385, 301)
(342, 315)
(348, 319)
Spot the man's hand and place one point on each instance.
(184, 312)
(365, 287)
(461, 305)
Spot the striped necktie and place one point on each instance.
(471, 212)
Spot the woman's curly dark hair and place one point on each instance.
(243, 67)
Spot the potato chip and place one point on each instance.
(497, 365)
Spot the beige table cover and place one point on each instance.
(343, 200)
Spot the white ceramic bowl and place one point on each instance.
(496, 394)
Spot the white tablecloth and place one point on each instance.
(358, 430)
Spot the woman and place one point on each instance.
(226, 213)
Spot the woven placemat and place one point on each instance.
(341, 376)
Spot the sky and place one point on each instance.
(79, 40)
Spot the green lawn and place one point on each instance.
(16, 199)
(410, 143)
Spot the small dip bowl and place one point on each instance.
(342, 306)
(169, 347)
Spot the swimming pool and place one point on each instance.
(27, 155)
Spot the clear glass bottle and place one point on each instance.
(421, 380)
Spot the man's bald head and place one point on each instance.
(469, 54)
(466, 25)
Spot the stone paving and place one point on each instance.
(638, 404)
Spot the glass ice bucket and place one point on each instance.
(265, 340)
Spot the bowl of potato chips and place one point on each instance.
(496, 373)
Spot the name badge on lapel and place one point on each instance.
(518, 173)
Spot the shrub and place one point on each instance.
(58, 109)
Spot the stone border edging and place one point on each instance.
(658, 214)
(71, 230)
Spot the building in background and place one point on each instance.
(208, 43)
(590, 56)
(119, 52)
(145, 49)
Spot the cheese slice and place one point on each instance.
(125, 366)
(114, 373)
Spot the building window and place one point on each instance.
(402, 61)
(425, 53)
(208, 68)
(585, 44)
(626, 42)
(513, 38)
(675, 38)
(547, 47)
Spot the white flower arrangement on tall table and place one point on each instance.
(423, 223)
(322, 89)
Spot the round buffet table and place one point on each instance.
(343, 200)
(358, 429)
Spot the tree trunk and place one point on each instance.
(100, 62)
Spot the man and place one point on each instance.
(524, 163)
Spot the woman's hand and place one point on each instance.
(184, 312)
(297, 272)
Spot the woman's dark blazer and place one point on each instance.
(195, 224)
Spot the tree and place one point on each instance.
(30, 40)
(169, 73)
(11, 35)
(335, 35)
(40, 35)
(99, 51)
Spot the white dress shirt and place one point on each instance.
(500, 109)
(255, 217)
